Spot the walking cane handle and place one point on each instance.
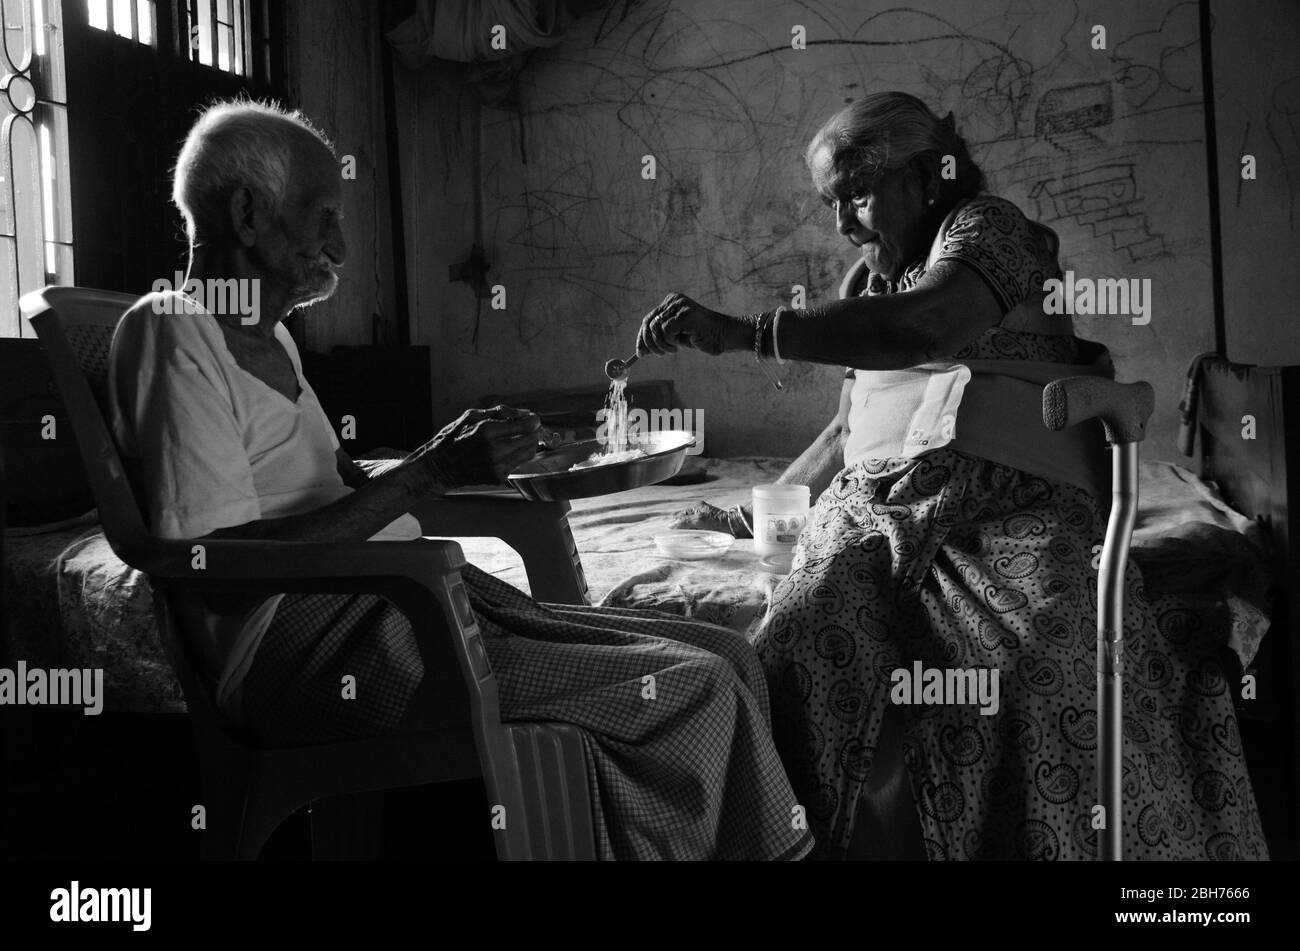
(1123, 408)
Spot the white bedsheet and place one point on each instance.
(73, 603)
(1187, 541)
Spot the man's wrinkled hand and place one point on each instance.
(481, 447)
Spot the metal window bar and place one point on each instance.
(262, 25)
(197, 36)
(47, 70)
(51, 116)
(18, 31)
(21, 228)
(129, 19)
(224, 34)
(35, 214)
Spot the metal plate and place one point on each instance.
(548, 479)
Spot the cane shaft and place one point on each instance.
(1123, 409)
(1110, 647)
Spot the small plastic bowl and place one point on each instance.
(692, 544)
(778, 564)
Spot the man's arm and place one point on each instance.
(356, 472)
(480, 447)
(377, 501)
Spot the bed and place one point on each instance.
(1242, 423)
(1221, 543)
(1188, 541)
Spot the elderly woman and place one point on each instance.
(229, 441)
(953, 532)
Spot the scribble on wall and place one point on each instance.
(1283, 127)
(726, 111)
(1080, 139)
(1104, 197)
(1069, 108)
(1105, 200)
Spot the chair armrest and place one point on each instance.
(266, 565)
(485, 513)
(538, 531)
(421, 577)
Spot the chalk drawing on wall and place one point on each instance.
(1282, 130)
(1101, 145)
(726, 107)
(1102, 197)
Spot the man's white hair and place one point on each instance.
(232, 145)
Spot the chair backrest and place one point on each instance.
(75, 326)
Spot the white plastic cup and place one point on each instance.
(780, 514)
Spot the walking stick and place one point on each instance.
(1123, 409)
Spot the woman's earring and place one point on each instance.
(932, 201)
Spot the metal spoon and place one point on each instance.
(617, 369)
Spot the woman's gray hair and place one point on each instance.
(885, 131)
(232, 145)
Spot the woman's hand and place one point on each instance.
(680, 322)
(482, 447)
(734, 521)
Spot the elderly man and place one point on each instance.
(230, 441)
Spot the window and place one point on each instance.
(103, 173)
(216, 33)
(227, 20)
(118, 16)
(35, 208)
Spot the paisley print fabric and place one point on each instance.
(961, 563)
(958, 562)
(1010, 252)
(998, 343)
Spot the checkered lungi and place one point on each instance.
(689, 774)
